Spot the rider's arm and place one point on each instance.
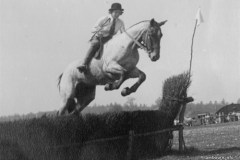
(122, 28)
(100, 24)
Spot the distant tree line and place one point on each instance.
(211, 107)
(191, 111)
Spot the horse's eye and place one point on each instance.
(154, 31)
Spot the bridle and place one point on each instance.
(146, 41)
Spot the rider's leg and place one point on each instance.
(95, 44)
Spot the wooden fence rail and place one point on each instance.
(131, 136)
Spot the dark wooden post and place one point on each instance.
(182, 146)
(181, 140)
(130, 153)
(180, 132)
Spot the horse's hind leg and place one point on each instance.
(85, 94)
(67, 106)
(67, 93)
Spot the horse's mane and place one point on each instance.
(132, 27)
(138, 23)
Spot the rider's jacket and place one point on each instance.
(102, 27)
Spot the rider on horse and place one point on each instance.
(104, 30)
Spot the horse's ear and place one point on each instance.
(152, 22)
(162, 23)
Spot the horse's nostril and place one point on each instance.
(154, 58)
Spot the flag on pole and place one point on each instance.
(199, 20)
(199, 17)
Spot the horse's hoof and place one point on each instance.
(125, 91)
(58, 114)
(107, 87)
(75, 113)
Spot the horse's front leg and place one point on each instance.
(134, 74)
(115, 70)
(117, 83)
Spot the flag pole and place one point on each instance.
(198, 20)
(192, 46)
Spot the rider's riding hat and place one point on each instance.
(116, 6)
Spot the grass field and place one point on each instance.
(212, 142)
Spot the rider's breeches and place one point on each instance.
(95, 45)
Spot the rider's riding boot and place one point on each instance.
(84, 67)
(90, 54)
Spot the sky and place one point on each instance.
(39, 38)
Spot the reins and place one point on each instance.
(136, 42)
(145, 39)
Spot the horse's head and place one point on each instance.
(151, 39)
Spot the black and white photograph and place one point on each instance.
(119, 80)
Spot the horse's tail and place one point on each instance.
(59, 80)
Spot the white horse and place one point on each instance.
(117, 64)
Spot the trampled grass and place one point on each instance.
(212, 142)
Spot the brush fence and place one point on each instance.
(115, 136)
